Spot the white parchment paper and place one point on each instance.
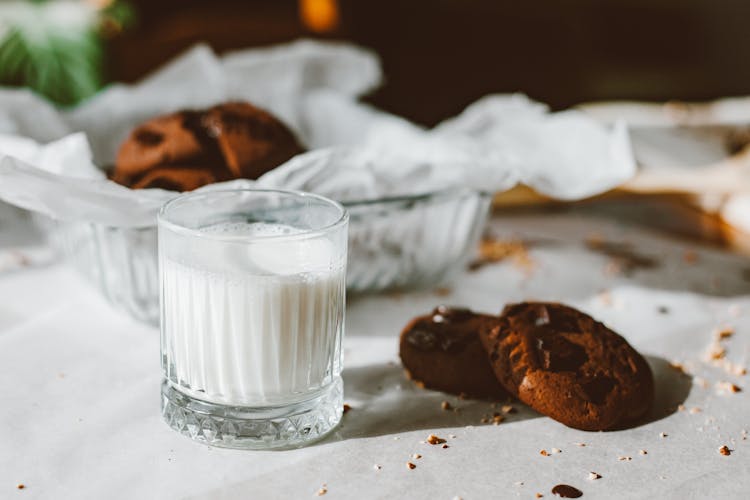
(357, 151)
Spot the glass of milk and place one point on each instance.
(252, 316)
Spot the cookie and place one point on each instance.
(185, 150)
(568, 366)
(442, 351)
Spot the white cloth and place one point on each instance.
(79, 391)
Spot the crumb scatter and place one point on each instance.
(433, 440)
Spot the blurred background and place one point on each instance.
(438, 55)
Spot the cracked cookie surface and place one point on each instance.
(568, 366)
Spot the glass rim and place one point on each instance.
(163, 221)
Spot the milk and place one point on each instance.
(253, 319)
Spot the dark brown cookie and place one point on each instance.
(188, 149)
(567, 365)
(442, 351)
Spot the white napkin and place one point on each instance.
(358, 152)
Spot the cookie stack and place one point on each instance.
(556, 359)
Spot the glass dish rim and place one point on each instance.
(449, 192)
(162, 221)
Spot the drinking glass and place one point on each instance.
(252, 288)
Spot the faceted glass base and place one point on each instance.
(288, 426)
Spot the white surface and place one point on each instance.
(79, 387)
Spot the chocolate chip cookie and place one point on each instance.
(567, 365)
(442, 351)
(185, 150)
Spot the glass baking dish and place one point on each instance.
(403, 242)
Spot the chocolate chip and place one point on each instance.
(566, 491)
(437, 338)
(557, 354)
(148, 137)
(597, 389)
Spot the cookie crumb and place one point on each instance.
(723, 332)
(508, 409)
(663, 435)
(624, 459)
(416, 456)
(410, 465)
(556, 450)
(539, 495)
(695, 410)
(736, 369)
(544, 453)
(493, 250)
(445, 405)
(452, 436)
(497, 419)
(724, 450)
(485, 420)
(594, 476)
(518, 483)
(347, 408)
(715, 352)
(433, 439)
(642, 452)
(580, 444)
(725, 386)
(677, 366)
(20, 486)
(377, 466)
(444, 446)
(681, 408)
(322, 491)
